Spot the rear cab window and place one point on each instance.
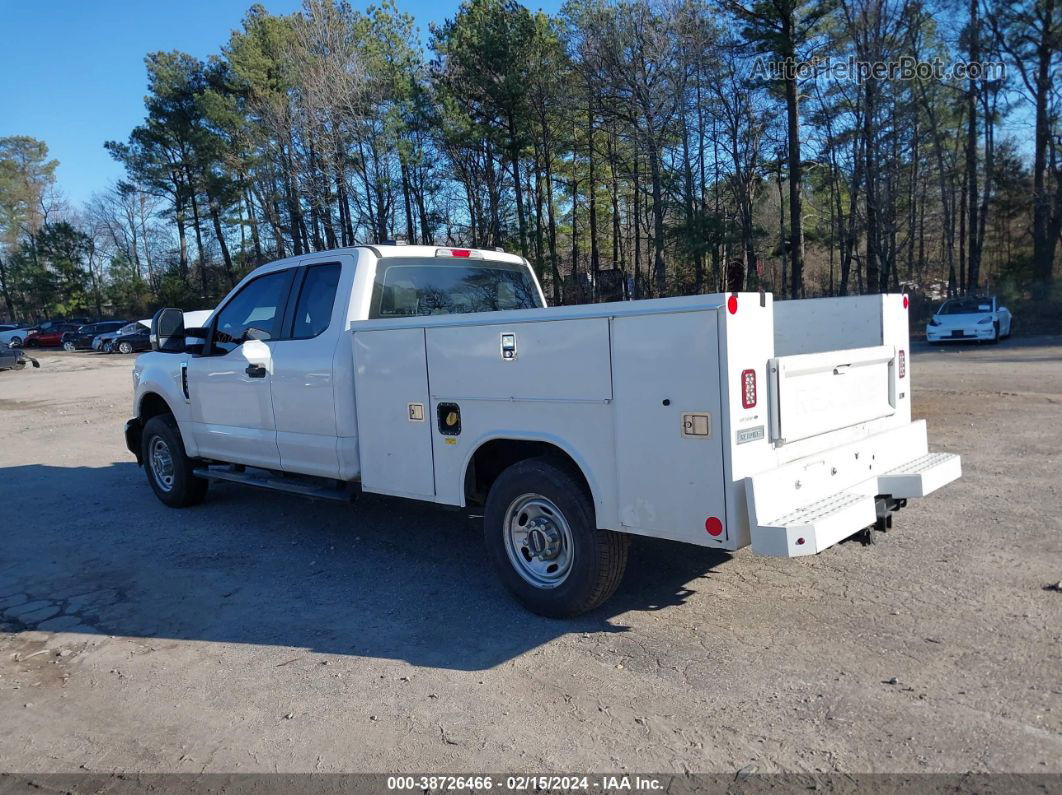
(416, 286)
(317, 298)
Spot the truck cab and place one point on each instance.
(439, 374)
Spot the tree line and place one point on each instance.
(626, 148)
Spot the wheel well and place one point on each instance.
(494, 457)
(151, 405)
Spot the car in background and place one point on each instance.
(13, 335)
(103, 342)
(48, 335)
(969, 318)
(15, 359)
(81, 339)
(138, 339)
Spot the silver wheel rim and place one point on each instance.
(124, 348)
(161, 463)
(538, 541)
(68, 346)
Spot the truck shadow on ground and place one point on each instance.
(91, 550)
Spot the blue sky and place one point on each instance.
(72, 73)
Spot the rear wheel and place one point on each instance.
(168, 468)
(541, 535)
(16, 342)
(69, 347)
(125, 347)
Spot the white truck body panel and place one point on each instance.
(719, 420)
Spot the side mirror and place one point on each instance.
(167, 331)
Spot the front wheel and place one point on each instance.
(169, 469)
(69, 347)
(16, 342)
(541, 535)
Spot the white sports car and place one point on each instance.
(969, 318)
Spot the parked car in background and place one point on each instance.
(50, 336)
(102, 342)
(15, 359)
(970, 318)
(135, 340)
(81, 339)
(13, 336)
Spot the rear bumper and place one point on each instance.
(808, 505)
(134, 430)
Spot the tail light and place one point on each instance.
(903, 363)
(748, 389)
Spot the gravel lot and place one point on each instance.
(259, 632)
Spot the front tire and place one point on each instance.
(16, 342)
(168, 468)
(542, 538)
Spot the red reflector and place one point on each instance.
(731, 304)
(800, 542)
(748, 389)
(713, 526)
(906, 301)
(903, 363)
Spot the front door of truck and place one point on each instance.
(229, 386)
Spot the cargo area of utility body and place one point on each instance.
(718, 420)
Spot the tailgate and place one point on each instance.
(815, 393)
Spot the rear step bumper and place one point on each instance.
(807, 505)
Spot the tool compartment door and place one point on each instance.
(669, 433)
(816, 393)
(394, 424)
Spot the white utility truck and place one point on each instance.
(439, 374)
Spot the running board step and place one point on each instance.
(263, 479)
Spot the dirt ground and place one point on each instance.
(259, 632)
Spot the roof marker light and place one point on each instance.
(906, 302)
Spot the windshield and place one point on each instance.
(410, 287)
(966, 307)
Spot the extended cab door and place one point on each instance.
(231, 407)
(304, 372)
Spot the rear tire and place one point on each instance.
(125, 347)
(563, 565)
(69, 347)
(16, 342)
(168, 467)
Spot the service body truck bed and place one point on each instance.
(719, 420)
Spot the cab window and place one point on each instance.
(255, 312)
(317, 297)
(407, 287)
